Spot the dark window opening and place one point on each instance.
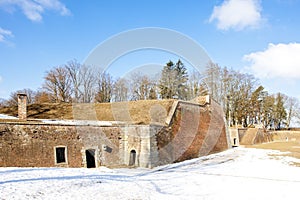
(60, 154)
(132, 157)
(90, 158)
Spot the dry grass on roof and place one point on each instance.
(138, 112)
(43, 111)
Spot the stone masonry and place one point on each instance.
(190, 130)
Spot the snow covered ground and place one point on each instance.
(234, 174)
(2, 116)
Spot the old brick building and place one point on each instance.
(141, 133)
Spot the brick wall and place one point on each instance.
(195, 131)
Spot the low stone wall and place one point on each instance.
(285, 135)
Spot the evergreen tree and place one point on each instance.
(173, 81)
(152, 94)
(166, 82)
(280, 113)
(181, 79)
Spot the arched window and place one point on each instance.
(132, 157)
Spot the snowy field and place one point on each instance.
(235, 174)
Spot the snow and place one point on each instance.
(82, 122)
(2, 116)
(238, 173)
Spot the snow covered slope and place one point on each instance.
(234, 174)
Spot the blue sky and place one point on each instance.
(253, 36)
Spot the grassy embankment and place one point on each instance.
(284, 141)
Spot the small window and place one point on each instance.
(60, 155)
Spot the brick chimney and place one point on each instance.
(22, 106)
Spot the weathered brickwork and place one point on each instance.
(34, 145)
(250, 136)
(194, 131)
(22, 106)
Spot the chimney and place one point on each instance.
(22, 106)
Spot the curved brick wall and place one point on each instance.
(194, 131)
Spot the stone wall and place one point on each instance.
(193, 130)
(234, 137)
(285, 135)
(32, 145)
(141, 139)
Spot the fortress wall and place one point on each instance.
(25, 145)
(194, 131)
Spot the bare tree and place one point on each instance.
(42, 97)
(140, 86)
(104, 87)
(88, 79)
(58, 84)
(196, 85)
(2, 102)
(121, 90)
(292, 106)
(213, 80)
(73, 68)
(13, 100)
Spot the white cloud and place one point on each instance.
(278, 60)
(33, 9)
(237, 14)
(4, 34)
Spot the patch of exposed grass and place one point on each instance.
(292, 148)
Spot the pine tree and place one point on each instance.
(173, 81)
(181, 78)
(166, 81)
(280, 113)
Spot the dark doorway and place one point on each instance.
(132, 157)
(90, 158)
(234, 141)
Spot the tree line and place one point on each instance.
(244, 100)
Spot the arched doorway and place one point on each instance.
(132, 157)
(235, 142)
